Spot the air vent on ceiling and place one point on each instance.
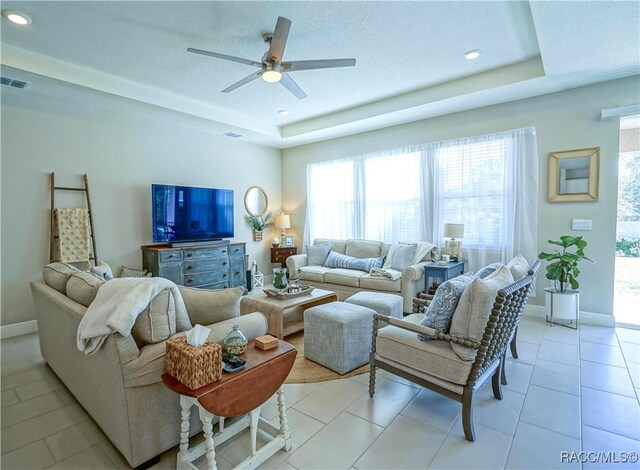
(14, 83)
(233, 135)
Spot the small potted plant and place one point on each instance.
(563, 271)
(258, 223)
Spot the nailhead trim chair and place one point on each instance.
(432, 364)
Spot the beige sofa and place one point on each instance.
(120, 385)
(346, 282)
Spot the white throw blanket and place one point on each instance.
(117, 306)
(388, 273)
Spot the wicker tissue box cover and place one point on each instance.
(194, 367)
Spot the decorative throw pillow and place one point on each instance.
(157, 322)
(337, 260)
(403, 257)
(211, 306)
(127, 272)
(103, 270)
(317, 254)
(474, 307)
(57, 275)
(83, 287)
(444, 303)
(519, 267)
(425, 251)
(488, 269)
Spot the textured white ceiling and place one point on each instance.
(409, 56)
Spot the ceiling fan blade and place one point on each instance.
(292, 86)
(279, 39)
(317, 64)
(225, 57)
(244, 81)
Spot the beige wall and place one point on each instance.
(565, 120)
(123, 152)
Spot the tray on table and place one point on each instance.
(274, 294)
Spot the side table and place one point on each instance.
(235, 394)
(435, 271)
(280, 254)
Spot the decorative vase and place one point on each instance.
(275, 242)
(235, 342)
(280, 279)
(257, 235)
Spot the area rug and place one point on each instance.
(305, 371)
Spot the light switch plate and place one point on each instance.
(580, 224)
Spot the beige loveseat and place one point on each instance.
(346, 282)
(120, 385)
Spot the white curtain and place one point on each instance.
(488, 183)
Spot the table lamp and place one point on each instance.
(452, 244)
(283, 222)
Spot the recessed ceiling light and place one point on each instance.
(472, 54)
(16, 17)
(283, 112)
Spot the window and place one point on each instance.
(392, 198)
(473, 191)
(488, 183)
(330, 189)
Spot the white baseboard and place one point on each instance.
(588, 318)
(17, 329)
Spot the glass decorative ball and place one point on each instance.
(235, 342)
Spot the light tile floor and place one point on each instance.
(569, 391)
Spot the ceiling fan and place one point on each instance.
(272, 69)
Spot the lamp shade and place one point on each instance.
(454, 230)
(282, 221)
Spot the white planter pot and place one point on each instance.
(562, 305)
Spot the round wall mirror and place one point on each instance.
(256, 201)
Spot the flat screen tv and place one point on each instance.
(187, 214)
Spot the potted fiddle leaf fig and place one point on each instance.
(563, 266)
(562, 303)
(258, 223)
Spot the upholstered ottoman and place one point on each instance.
(337, 335)
(384, 304)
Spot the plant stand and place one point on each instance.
(564, 306)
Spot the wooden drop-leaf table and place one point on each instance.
(239, 393)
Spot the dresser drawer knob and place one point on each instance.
(190, 267)
(224, 252)
(224, 275)
(189, 255)
(224, 263)
(189, 281)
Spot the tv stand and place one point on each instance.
(206, 265)
(218, 241)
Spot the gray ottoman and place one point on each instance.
(384, 304)
(337, 335)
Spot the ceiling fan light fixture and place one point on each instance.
(283, 112)
(271, 76)
(472, 54)
(16, 17)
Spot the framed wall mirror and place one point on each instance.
(256, 201)
(574, 175)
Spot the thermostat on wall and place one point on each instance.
(580, 224)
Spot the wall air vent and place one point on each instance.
(14, 83)
(233, 135)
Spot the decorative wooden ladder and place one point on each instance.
(54, 235)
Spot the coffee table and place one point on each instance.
(235, 394)
(285, 317)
